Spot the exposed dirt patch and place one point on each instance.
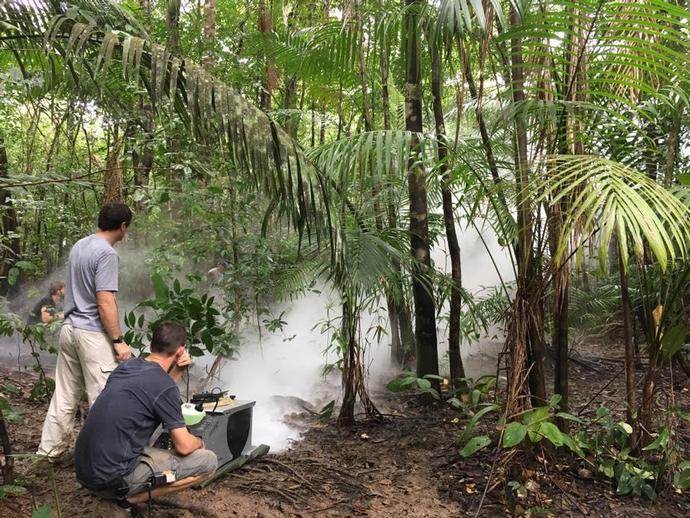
(407, 465)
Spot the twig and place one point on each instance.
(582, 409)
(335, 504)
(300, 477)
(572, 500)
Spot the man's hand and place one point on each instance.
(122, 352)
(184, 361)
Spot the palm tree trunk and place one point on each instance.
(457, 370)
(630, 396)
(527, 328)
(424, 306)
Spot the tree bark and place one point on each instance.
(172, 25)
(112, 178)
(457, 370)
(424, 305)
(271, 79)
(12, 253)
(8, 467)
(209, 34)
(527, 327)
(630, 396)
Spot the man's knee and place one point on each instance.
(205, 462)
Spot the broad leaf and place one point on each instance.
(474, 445)
(514, 434)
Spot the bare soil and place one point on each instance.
(407, 465)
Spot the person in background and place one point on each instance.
(48, 309)
(112, 457)
(90, 343)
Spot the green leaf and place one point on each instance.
(159, 287)
(681, 480)
(423, 384)
(674, 339)
(568, 417)
(555, 400)
(474, 445)
(552, 433)
(514, 434)
(42, 512)
(659, 442)
(475, 419)
(625, 427)
(400, 384)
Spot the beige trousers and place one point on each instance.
(85, 360)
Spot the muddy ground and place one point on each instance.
(407, 465)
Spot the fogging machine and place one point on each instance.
(226, 429)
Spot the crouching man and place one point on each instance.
(112, 457)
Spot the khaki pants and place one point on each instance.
(85, 360)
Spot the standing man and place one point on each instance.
(90, 343)
(47, 309)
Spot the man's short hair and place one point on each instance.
(113, 215)
(167, 338)
(55, 287)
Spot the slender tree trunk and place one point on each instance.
(672, 144)
(112, 179)
(12, 252)
(8, 466)
(172, 25)
(366, 111)
(527, 319)
(209, 58)
(422, 288)
(457, 370)
(630, 396)
(271, 79)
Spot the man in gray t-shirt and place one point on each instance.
(91, 342)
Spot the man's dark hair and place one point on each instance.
(113, 215)
(55, 287)
(167, 338)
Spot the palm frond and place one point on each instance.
(601, 196)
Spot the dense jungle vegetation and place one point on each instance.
(292, 143)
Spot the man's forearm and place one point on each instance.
(107, 309)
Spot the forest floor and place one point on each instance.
(407, 465)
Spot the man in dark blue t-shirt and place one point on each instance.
(112, 449)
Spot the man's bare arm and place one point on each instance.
(184, 442)
(107, 310)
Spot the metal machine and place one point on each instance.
(226, 429)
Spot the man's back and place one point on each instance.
(138, 396)
(93, 265)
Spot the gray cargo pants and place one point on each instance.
(155, 460)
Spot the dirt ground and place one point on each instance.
(407, 465)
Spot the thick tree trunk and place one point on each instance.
(457, 370)
(422, 288)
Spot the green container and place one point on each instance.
(191, 415)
